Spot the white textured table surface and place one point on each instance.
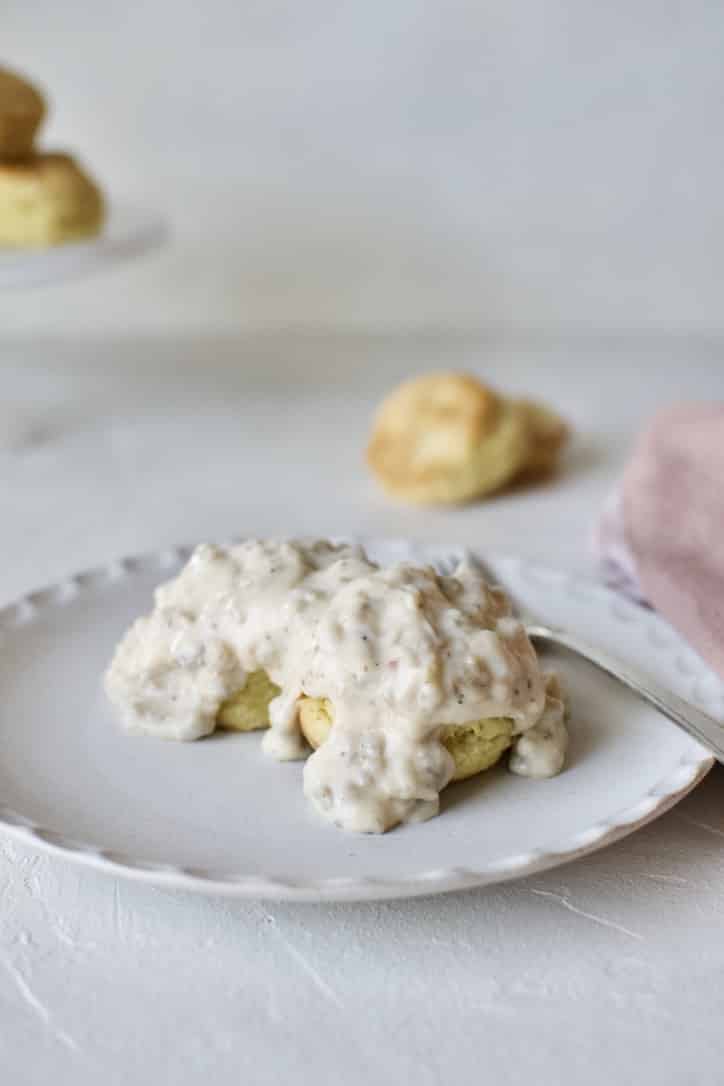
(605, 971)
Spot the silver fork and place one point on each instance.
(702, 727)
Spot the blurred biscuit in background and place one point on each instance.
(549, 434)
(46, 199)
(447, 438)
(22, 109)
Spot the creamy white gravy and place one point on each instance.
(398, 651)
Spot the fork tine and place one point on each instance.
(483, 567)
(522, 612)
(448, 563)
(445, 567)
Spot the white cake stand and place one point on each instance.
(130, 231)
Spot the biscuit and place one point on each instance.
(549, 433)
(447, 438)
(248, 708)
(22, 109)
(45, 200)
(474, 747)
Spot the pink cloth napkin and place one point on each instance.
(661, 536)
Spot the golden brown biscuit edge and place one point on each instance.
(22, 111)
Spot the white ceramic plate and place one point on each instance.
(129, 232)
(218, 816)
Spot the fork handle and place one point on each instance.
(702, 727)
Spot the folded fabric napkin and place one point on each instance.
(661, 535)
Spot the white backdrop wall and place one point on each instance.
(536, 164)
